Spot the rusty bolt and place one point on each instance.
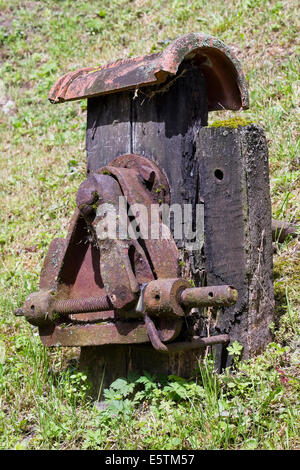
(174, 296)
(36, 308)
(40, 309)
(162, 297)
(214, 296)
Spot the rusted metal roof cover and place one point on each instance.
(226, 83)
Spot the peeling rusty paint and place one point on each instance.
(225, 81)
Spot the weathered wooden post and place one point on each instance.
(156, 107)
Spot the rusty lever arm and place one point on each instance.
(196, 343)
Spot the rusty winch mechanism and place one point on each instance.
(97, 290)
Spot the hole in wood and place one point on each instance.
(210, 294)
(219, 174)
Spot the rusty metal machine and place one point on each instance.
(95, 290)
(129, 299)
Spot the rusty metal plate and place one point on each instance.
(94, 335)
(226, 83)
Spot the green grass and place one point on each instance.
(43, 401)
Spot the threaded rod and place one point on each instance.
(90, 304)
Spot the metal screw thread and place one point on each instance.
(90, 304)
